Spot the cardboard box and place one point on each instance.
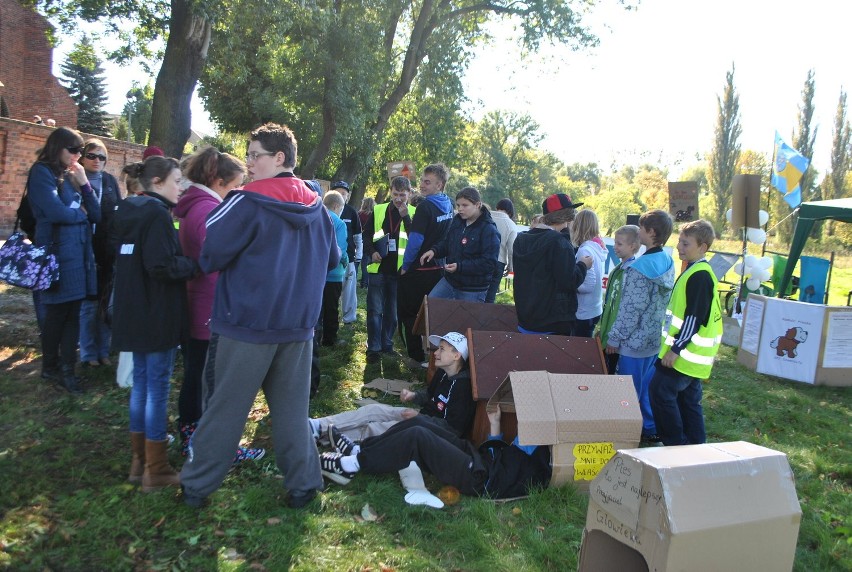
(804, 342)
(722, 506)
(585, 418)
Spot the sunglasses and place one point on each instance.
(93, 156)
(75, 150)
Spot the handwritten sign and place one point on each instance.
(590, 458)
(618, 490)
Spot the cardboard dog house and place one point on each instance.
(721, 506)
(584, 418)
(493, 354)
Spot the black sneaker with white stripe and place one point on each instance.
(332, 469)
(341, 442)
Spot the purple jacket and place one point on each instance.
(192, 210)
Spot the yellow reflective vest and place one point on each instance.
(696, 359)
(379, 213)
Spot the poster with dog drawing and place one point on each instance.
(790, 341)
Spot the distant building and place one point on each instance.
(26, 60)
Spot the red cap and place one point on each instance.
(152, 150)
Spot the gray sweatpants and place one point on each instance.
(368, 421)
(234, 373)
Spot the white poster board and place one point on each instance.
(838, 341)
(790, 341)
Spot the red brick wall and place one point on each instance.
(26, 64)
(19, 145)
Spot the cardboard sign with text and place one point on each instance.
(683, 201)
(585, 418)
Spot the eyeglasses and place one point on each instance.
(93, 156)
(75, 150)
(254, 155)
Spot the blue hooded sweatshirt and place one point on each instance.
(648, 284)
(273, 256)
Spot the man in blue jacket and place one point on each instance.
(272, 243)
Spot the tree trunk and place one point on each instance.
(185, 56)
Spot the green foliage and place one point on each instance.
(366, 59)
(613, 206)
(148, 22)
(726, 151)
(84, 81)
(804, 138)
(138, 108)
(233, 143)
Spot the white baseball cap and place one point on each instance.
(455, 339)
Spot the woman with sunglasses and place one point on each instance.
(94, 332)
(64, 206)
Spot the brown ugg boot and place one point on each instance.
(137, 464)
(158, 473)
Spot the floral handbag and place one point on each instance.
(26, 265)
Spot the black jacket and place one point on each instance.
(101, 243)
(511, 472)
(150, 309)
(546, 279)
(475, 248)
(449, 398)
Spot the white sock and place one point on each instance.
(356, 449)
(350, 464)
(316, 428)
(423, 498)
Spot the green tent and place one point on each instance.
(809, 213)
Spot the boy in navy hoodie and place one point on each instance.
(273, 243)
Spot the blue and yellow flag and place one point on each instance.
(787, 170)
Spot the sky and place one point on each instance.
(649, 92)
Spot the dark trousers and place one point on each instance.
(412, 287)
(60, 335)
(676, 404)
(496, 279)
(435, 450)
(586, 327)
(189, 402)
(330, 314)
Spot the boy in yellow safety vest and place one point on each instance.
(692, 333)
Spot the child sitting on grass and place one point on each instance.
(447, 400)
(626, 246)
(635, 333)
(496, 469)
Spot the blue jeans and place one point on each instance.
(94, 334)
(642, 370)
(444, 290)
(676, 403)
(149, 396)
(496, 279)
(381, 311)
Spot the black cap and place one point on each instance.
(341, 185)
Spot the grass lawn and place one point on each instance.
(65, 503)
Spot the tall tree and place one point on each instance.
(841, 157)
(186, 23)
(726, 149)
(365, 59)
(139, 109)
(85, 82)
(804, 138)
